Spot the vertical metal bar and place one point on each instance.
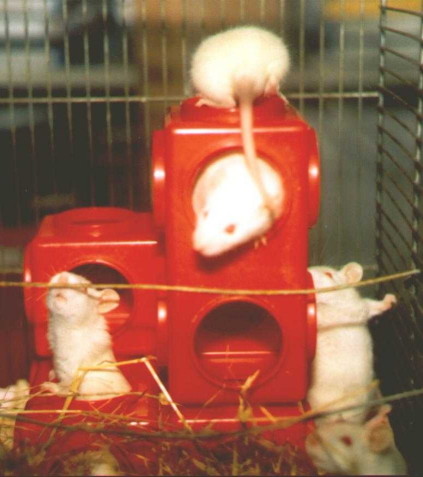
(321, 90)
(165, 71)
(68, 82)
(359, 244)
(281, 19)
(12, 116)
(302, 55)
(380, 139)
(202, 16)
(87, 74)
(130, 176)
(109, 134)
(223, 23)
(184, 49)
(322, 68)
(50, 112)
(340, 119)
(417, 245)
(262, 10)
(144, 41)
(242, 10)
(28, 72)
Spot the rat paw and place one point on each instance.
(55, 388)
(261, 241)
(229, 103)
(50, 387)
(389, 301)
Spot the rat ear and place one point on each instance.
(353, 272)
(379, 432)
(108, 300)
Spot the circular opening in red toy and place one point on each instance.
(224, 193)
(235, 339)
(99, 273)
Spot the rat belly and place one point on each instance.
(344, 352)
(74, 349)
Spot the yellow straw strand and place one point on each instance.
(218, 291)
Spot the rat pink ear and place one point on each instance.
(108, 300)
(379, 432)
(353, 272)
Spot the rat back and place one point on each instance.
(240, 54)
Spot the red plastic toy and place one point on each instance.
(216, 342)
(209, 344)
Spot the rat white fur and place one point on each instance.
(93, 463)
(356, 449)
(12, 399)
(229, 209)
(238, 66)
(78, 337)
(343, 364)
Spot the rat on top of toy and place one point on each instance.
(236, 199)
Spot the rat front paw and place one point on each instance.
(50, 387)
(389, 301)
(55, 388)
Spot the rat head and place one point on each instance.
(349, 448)
(324, 277)
(221, 227)
(78, 303)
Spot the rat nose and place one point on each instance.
(61, 279)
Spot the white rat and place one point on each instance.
(15, 395)
(237, 66)
(348, 448)
(78, 337)
(12, 398)
(343, 366)
(93, 463)
(229, 209)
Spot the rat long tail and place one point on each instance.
(246, 120)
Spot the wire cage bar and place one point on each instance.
(400, 213)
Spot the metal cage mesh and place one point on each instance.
(400, 216)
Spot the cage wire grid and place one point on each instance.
(84, 83)
(399, 216)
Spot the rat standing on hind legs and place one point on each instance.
(343, 366)
(78, 337)
(238, 66)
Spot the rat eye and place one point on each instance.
(347, 440)
(230, 229)
(328, 274)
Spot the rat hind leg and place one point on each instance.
(227, 102)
